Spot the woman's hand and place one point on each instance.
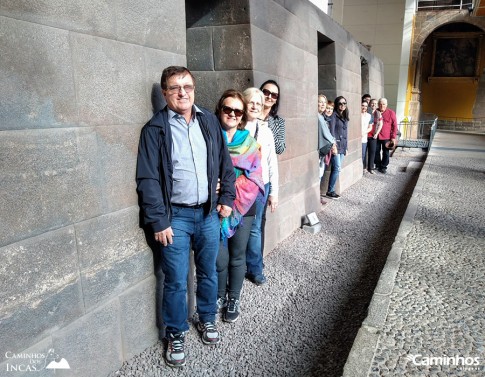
(334, 149)
(224, 211)
(272, 202)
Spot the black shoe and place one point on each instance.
(258, 279)
(232, 310)
(175, 355)
(333, 195)
(383, 171)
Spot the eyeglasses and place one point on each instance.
(329, 108)
(267, 93)
(228, 110)
(255, 104)
(178, 88)
(342, 103)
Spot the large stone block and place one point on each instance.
(117, 146)
(200, 55)
(36, 80)
(211, 85)
(90, 16)
(110, 81)
(214, 12)
(41, 288)
(347, 59)
(138, 318)
(281, 51)
(281, 23)
(148, 23)
(152, 23)
(232, 47)
(92, 344)
(113, 255)
(49, 179)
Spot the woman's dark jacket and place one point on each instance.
(338, 129)
(154, 168)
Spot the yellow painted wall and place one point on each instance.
(449, 98)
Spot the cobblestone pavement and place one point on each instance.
(435, 323)
(304, 320)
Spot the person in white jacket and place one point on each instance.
(261, 132)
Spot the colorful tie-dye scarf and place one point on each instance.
(246, 157)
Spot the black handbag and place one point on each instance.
(325, 149)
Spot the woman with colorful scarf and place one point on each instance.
(235, 229)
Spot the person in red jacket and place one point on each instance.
(388, 133)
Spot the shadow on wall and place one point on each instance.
(158, 101)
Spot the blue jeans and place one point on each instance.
(364, 150)
(254, 251)
(336, 162)
(192, 229)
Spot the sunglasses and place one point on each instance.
(342, 103)
(267, 93)
(228, 110)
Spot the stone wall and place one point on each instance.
(79, 79)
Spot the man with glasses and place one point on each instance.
(388, 133)
(181, 158)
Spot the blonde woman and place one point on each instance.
(263, 135)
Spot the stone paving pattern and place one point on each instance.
(437, 305)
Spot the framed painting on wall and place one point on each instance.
(456, 55)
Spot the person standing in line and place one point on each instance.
(181, 157)
(276, 124)
(372, 135)
(235, 229)
(388, 134)
(366, 125)
(324, 137)
(339, 130)
(260, 131)
(367, 98)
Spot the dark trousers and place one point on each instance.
(382, 162)
(231, 261)
(371, 153)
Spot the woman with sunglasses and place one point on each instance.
(260, 131)
(235, 229)
(338, 130)
(276, 124)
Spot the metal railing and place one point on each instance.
(417, 134)
(427, 5)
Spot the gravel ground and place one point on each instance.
(437, 307)
(304, 320)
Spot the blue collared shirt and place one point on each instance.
(189, 158)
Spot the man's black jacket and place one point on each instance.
(154, 168)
